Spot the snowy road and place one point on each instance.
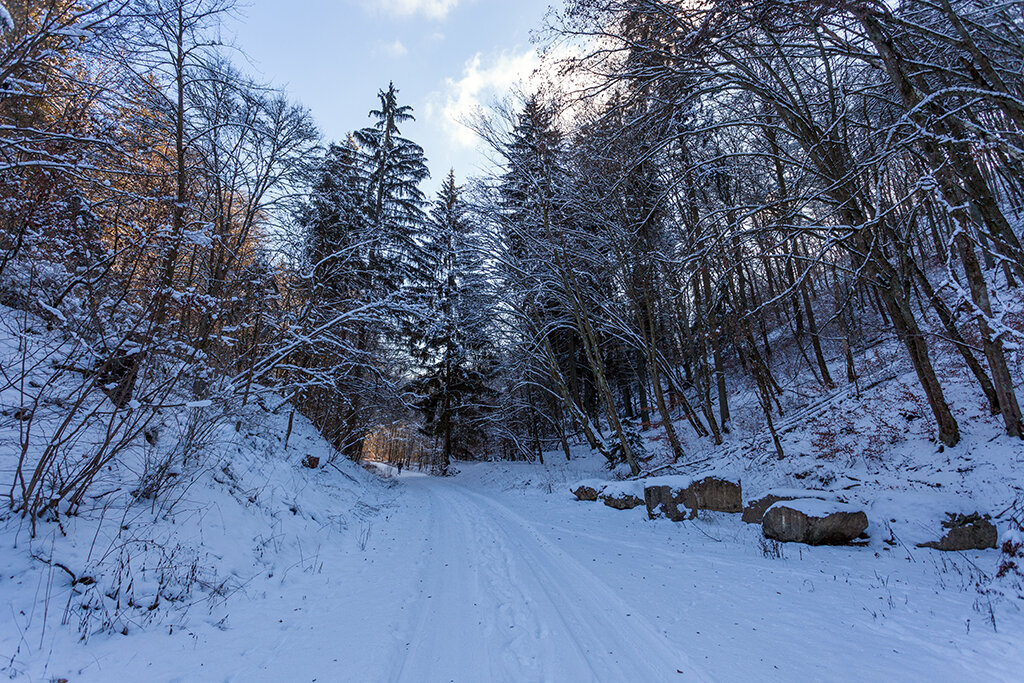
(500, 575)
(515, 586)
(504, 603)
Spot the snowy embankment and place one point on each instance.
(202, 520)
(142, 585)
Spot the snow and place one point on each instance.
(678, 482)
(618, 489)
(267, 570)
(6, 21)
(495, 574)
(596, 484)
(783, 492)
(814, 507)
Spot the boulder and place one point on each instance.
(663, 500)
(588, 490)
(715, 494)
(622, 502)
(966, 532)
(623, 495)
(311, 461)
(754, 511)
(668, 496)
(814, 522)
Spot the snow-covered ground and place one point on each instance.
(172, 587)
(500, 574)
(252, 567)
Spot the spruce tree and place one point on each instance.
(335, 219)
(534, 211)
(338, 244)
(452, 346)
(394, 167)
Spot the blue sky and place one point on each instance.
(445, 56)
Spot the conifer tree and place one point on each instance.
(335, 218)
(394, 167)
(452, 345)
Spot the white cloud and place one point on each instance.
(481, 82)
(394, 50)
(485, 80)
(432, 9)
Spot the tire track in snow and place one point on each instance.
(502, 602)
(625, 644)
(447, 639)
(538, 642)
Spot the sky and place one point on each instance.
(446, 57)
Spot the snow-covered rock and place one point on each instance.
(814, 522)
(589, 489)
(966, 532)
(753, 512)
(623, 495)
(713, 491)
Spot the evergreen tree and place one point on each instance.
(394, 167)
(365, 226)
(335, 218)
(532, 202)
(452, 346)
(533, 215)
(338, 244)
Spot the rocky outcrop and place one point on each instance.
(814, 522)
(679, 497)
(715, 494)
(663, 501)
(754, 511)
(966, 532)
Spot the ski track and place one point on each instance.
(502, 603)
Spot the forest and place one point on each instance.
(717, 184)
(702, 208)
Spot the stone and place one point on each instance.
(311, 461)
(662, 500)
(715, 494)
(966, 532)
(670, 495)
(624, 501)
(753, 512)
(814, 522)
(587, 491)
(622, 495)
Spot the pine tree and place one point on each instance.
(452, 346)
(338, 244)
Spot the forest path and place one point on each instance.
(499, 574)
(499, 601)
